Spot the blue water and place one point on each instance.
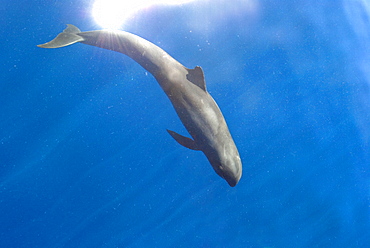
(85, 159)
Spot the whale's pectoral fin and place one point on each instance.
(196, 76)
(69, 36)
(184, 141)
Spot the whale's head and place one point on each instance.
(227, 163)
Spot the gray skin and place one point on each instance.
(185, 88)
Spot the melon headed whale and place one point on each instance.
(186, 89)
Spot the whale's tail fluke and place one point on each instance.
(68, 37)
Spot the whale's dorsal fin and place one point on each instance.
(184, 141)
(196, 76)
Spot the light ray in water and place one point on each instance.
(112, 14)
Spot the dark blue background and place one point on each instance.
(85, 159)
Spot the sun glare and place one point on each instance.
(112, 14)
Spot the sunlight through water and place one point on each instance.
(111, 14)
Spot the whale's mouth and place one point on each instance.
(227, 174)
(232, 181)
